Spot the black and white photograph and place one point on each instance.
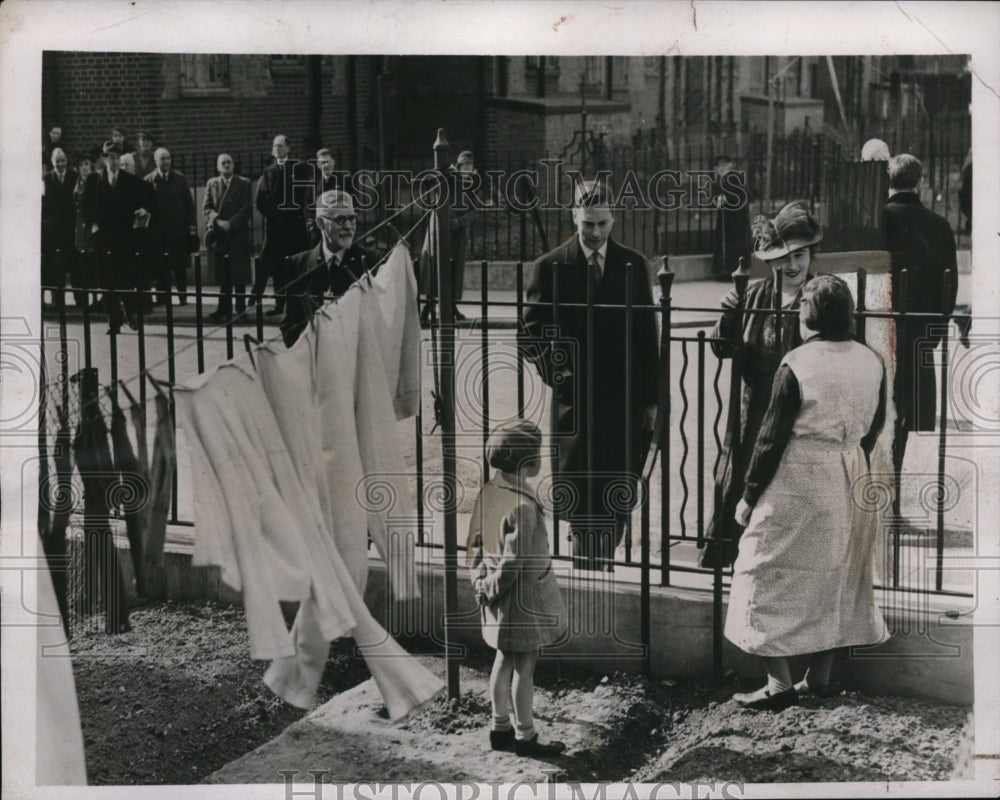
(499, 399)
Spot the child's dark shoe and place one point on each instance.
(502, 740)
(534, 748)
(763, 700)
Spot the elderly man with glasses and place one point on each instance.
(329, 269)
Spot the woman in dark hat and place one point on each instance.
(787, 243)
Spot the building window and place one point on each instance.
(541, 74)
(619, 72)
(204, 73)
(288, 63)
(593, 74)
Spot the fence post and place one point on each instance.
(942, 433)
(666, 280)
(446, 343)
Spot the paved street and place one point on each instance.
(690, 489)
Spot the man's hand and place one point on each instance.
(743, 512)
(649, 418)
(93, 228)
(480, 593)
(223, 224)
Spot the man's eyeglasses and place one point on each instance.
(343, 219)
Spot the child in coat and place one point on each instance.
(516, 588)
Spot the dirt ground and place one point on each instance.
(178, 699)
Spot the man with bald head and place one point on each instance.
(59, 224)
(174, 221)
(279, 200)
(227, 208)
(329, 269)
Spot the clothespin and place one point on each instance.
(128, 394)
(399, 236)
(158, 385)
(249, 342)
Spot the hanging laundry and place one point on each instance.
(287, 377)
(391, 516)
(242, 467)
(336, 347)
(132, 488)
(102, 572)
(161, 472)
(399, 335)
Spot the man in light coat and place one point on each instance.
(227, 209)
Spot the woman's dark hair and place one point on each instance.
(828, 308)
(510, 446)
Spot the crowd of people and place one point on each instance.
(120, 219)
(812, 404)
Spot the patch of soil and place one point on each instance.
(851, 737)
(178, 697)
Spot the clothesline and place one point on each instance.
(148, 370)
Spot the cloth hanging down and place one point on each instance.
(287, 377)
(161, 471)
(242, 466)
(399, 337)
(132, 480)
(102, 572)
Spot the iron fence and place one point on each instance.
(663, 534)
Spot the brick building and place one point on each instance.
(384, 111)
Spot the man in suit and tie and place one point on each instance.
(173, 226)
(583, 359)
(327, 179)
(227, 208)
(329, 268)
(112, 202)
(284, 221)
(59, 226)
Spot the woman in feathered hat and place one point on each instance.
(787, 243)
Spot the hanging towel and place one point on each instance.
(287, 377)
(102, 572)
(385, 490)
(336, 331)
(399, 330)
(131, 490)
(161, 471)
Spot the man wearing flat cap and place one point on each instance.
(112, 203)
(143, 155)
(582, 356)
(329, 269)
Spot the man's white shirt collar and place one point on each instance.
(587, 252)
(328, 253)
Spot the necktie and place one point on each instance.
(112, 177)
(332, 269)
(595, 268)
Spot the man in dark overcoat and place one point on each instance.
(173, 225)
(595, 485)
(329, 269)
(59, 225)
(227, 207)
(923, 243)
(112, 203)
(281, 200)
